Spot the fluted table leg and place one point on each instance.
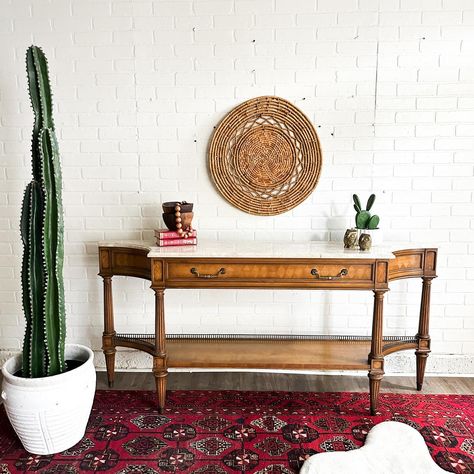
(423, 336)
(160, 365)
(376, 358)
(108, 345)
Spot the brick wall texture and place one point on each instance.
(139, 86)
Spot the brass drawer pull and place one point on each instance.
(221, 271)
(342, 273)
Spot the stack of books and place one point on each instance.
(171, 238)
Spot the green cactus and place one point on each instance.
(357, 204)
(373, 222)
(42, 233)
(370, 202)
(363, 218)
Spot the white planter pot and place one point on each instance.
(375, 234)
(50, 414)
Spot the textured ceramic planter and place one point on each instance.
(50, 414)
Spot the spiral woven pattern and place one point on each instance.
(265, 157)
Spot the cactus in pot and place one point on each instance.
(47, 402)
(42, 233)
(363, 218)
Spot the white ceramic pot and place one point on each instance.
(376, 236)
(50, 414)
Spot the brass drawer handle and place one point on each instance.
(342, 273)
(221, 271)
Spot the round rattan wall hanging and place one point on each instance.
(265, 157)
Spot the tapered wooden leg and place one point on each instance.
(421, 358)
(108, 345)
(160, 362)
(423, 336)
(375, 377)
(161, 378)
(110, 365)
(376, 358)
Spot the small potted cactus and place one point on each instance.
(48, 390)
(366, 222)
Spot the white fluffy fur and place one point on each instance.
(390, 448)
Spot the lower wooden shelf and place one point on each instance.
(268, 354)
(258, 352)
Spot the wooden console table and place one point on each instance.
(312, 265)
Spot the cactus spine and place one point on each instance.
(363, 218)
(42, 233)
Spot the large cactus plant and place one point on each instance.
(42, 233)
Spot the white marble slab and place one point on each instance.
(257, 249)
(134, 244)
(261, 249)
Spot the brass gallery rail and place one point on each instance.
(167, 270)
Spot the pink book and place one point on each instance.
(162, 234)
(176, 242)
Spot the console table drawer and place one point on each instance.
(315, 272)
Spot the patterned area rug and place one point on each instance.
(255, 432)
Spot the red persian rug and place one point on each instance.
(255, 432)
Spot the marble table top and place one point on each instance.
(262, 250)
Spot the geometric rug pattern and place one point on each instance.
(217, 432)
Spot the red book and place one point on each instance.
(176, 242)
(164, 234)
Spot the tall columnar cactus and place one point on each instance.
(42, 233)
(364, 220)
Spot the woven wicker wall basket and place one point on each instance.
(265, 157)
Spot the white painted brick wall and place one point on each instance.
(139, 86)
